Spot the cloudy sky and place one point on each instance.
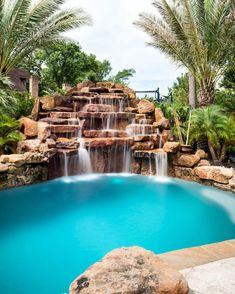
(114, 37)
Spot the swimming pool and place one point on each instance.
(51, 232)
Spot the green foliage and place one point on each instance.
(66, 63)
(180, 89)
(213, 123)
(228, 81)
(7, 102)
(123, 76)
(9, 134)
(24, 103)
(196, 34)
(225, 98)
(25, 27)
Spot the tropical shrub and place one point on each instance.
(9, 134)
(24, 103)
(219, 128)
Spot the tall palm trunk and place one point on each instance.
(212, 151)
(223, 152)
(192, 90)
(207, 92)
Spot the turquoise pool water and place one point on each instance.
(51, 232)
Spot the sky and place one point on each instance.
(114, 37)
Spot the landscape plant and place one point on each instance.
(9, 134)
(214, 124)
(196, 34)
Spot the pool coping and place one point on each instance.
(194, 256)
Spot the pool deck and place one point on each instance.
(195, 256)
(208, 269)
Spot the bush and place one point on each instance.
(226, 99)
(9, 134)
(24, 103)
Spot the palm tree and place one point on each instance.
(198, 34)
(219, 129)
(26, 25)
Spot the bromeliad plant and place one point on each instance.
(213, 123)
(9, 134)
(197, 34)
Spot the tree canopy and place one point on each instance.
(66, 63)
(198, 34)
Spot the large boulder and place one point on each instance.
(145, 107)
(202, 154)
(84, 84)
(98, 108)
(215, 173)
(29, 127)
(130, 270)
(162, 124)
(50, 102)
(158, 114)
(171, 147)
(188, 160)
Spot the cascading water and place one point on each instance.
(161, 164)
(126, 158)
(84, 160)
(65, 159)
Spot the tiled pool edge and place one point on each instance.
(190, 257)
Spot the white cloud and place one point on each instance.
(114, 37)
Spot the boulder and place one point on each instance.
(163, 124)
(126, 90)
(158, 114)
(143, 145)
(204, 162)
(165, 136)
(108, 85)
(43, 131)
(84, 84)
(145, 107)
(98, 108)
(188, 160)
(232, 182)
(171, 147)
(202, 154)
(131, 109)
(99, 90)
(64, 143)
(130, 270)
(185, 173)
(28, 145)
(215, 173)
(36, 109)
(50, 102)
(29, 127)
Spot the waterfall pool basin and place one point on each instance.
(51, 232)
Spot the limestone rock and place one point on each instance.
(36, 109)
(185, 173)
(232, 182)
(84, 84)
(143, 146)
(215, 173)
(130, 270)
(28, 145)
(131, 109)
(64, 143)
(98, 108)
(163, 124)
(171, 147)
(126, 90)
(29, 127)
(145, 106)
(50, 102)
(108, 85)
(204, 162)
(188, 160)
(202, 154)
(165, 136)
(44, 131)
(158, 114)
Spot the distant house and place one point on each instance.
(22, 81)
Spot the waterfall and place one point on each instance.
(161, 164)
(84, 160)
(126, 158)
(66, 173)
